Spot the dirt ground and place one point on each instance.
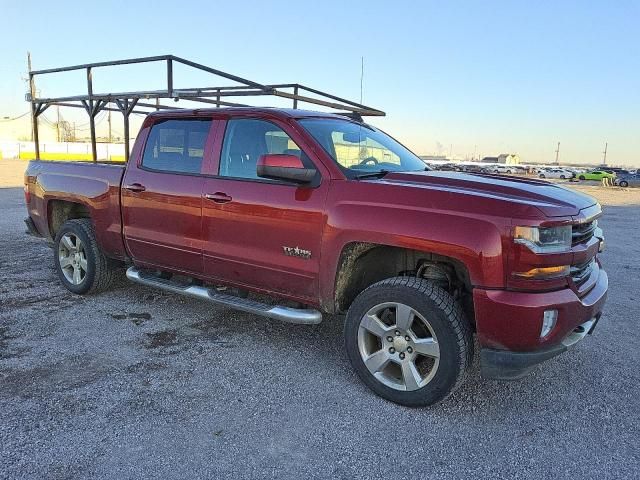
(12, 173)
(137, 383)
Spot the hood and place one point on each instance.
(550, 199)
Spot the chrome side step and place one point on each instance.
(285, 314)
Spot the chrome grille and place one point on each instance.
(580, 273)
(583, 232)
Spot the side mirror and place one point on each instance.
(284, 167)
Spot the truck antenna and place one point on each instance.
(361, 76)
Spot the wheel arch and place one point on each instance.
(362, 264)
(59, 211)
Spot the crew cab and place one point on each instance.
(330, 216)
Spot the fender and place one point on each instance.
(477, 241)
(95, 186)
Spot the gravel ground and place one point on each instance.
(135, 383)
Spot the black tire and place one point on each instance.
(623, 183)
(100, 271)
(449, 325)
(542, 175)
(562, 177)
(581, 177)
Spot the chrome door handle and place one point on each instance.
(135, 187)
(218, 197)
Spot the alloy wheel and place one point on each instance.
(72, 258)
(398, 346)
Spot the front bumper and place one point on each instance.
(509, 323)
(506, 365)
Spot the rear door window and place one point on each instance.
(176, 146)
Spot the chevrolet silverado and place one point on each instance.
(329, 215)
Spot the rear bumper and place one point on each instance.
(509, 325)
(31, 227)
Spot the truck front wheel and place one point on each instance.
(81, 265)
(408, 341)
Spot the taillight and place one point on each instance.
(27, 194)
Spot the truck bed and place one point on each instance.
(51, 186)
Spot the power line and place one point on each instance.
(99, 119)
(14, 118)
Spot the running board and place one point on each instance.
(285, 314)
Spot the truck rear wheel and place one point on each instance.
(81, 265)
(408, 341)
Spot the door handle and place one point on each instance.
(218, 197)
(135, 187)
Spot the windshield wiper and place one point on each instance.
(378, 174)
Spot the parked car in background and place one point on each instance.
(630, 180)
(616, 170)
(474, 169)
(452, 167)
(596, 175)
(556, 173)
(502, 169)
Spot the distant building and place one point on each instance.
(505, 158)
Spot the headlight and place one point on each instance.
(544, 240)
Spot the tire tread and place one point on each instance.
(452, 310)
(105, 269)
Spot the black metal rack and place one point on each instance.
(130, 102)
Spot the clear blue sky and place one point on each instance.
(512, 76)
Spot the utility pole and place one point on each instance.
(32, 92)
(58, 123)
(109, 120)
(604, 159)
(557, 154)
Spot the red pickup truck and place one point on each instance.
(330, 215)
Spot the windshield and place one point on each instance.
(361, 149)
